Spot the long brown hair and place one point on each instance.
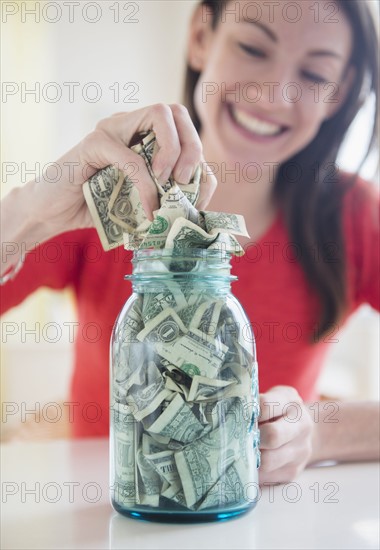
(312, 203)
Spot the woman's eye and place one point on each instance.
(314, 78)
(252, 51)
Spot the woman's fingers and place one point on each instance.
(294, 452)
(278, 401)
(179, 148)
(286, 435)
(190, 143)
(276, 434)
(207, 186)
(158, 118)
(162, 122)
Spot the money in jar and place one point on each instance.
(184, 438)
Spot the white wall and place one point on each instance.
(147, 50)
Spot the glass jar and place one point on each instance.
(184, 392)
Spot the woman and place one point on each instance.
(270, 97)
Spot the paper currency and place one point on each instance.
(114, 203)
(207, 316)
(144, 399)
(174, 205)
(97, 192)
(188, 388)
(125, 449)
(170, 296)
(150, 485)
(183, 372)
(178, 422)
(201, 463)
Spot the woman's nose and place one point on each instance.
(275, 90)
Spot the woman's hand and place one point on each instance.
(55, 203)
(286, 435)
(62, 204)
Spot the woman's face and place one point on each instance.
(271, 73)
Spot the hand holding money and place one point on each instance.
(118, 213)
(179, 154)
(54, 202)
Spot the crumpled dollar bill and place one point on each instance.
(115, 206)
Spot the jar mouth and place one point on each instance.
(187, 253)
(207, 264)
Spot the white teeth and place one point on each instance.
(253, 124)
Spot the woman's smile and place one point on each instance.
(279, 59)
(254, 127)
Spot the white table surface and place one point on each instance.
(68, 507)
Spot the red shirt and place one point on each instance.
(272, 288)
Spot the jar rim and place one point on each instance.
(188, 253)
(198, 263)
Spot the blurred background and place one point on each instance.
(65, 65)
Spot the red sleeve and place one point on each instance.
(54, 264)
(362, 234)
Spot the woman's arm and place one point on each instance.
(295, 434)
(345, 431)
(53, 204)
(22, 226)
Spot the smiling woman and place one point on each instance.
(296, 138)
(270, 99)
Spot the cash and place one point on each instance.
(97, 193)
(126, 437)
(183, 373)
(187, 389)
(114, 203)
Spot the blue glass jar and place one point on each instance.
(184, 392)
